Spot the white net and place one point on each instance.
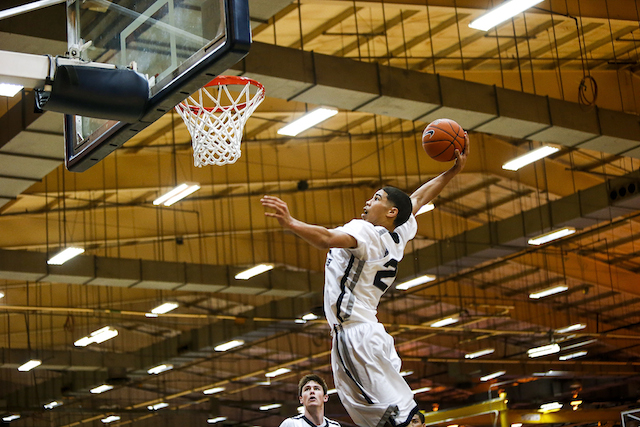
(217, 117)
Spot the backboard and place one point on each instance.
(180, 45)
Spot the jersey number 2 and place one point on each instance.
(385, 274)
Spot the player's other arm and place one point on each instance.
(430, 189)
(316, 235)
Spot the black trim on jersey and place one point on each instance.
(344, 366)
(408, 420)
(343, 287)
(395, 237)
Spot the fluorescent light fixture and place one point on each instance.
(216, 420)
(99, 336)
(64, 256)
(492, 376)
(270, 406)
(214, 390)
(573, 355)
(10, 418)
(300, 409)
(552, 235)
(150, 315)
(52, 404)
(575, 403)
(576, 327)
(165, 308)
(426, 208)
(1, 294)
(580, 344)
(253, 271)
(479, 353)
(415, 282)
(549, 291)
(29, 365)
(332, 391)
(553, 406)
(444, 322)
(160, 369)
(157, 406)
(530, 157)
(101, 389)
(307, 121)
(406, 373)
(300, 321)
(9, 89)
(277, 372)
(178, 193)
(543, 350)
(110, 419)
(309, 316)
(421, 390)
(551, 373)
(516, 425)
(229, 345)
(501, 13)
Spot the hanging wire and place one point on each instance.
(615, 57)
(433, 55)
(455, 7)
(588, 87)
(526, 33)
(515, 43)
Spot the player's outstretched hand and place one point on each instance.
(281, 210)
(461, 158)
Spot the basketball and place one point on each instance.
(441, 138)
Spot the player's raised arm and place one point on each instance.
(316, 235)
(430, 189)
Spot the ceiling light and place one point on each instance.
(576, 327)
(580, 344)
(492, 376)
(64, 256)
(29, 365)
(444, 322)
(546, 292)
(9, 90)
(178, 193)
(300, 409)
(501, 13)
(406, 373)
(160, 369)
(213, 390)
(10, 418)
(552, 235)
(300, 321)
(99, 336)
(101, 389)
(426, 208)
(110, 419)
(270, 406)
(543, 350)
(553, 406)
(157, 406)
(216, 420)
(573, 355)
(415, 282)
(421, 390)
(332, 391)
(228, 345)
(308, 120)
(530, 157)
(575, 404)
(309, 316)
(1, 294)
(516, 425)
(277, 372)
(165, 308)
(253, 271)
(479, 353)
(52, 405)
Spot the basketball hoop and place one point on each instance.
(216, 130)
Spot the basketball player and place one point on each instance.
(360, 267)
(417, 420)
(312, 392)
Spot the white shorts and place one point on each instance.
(366, 372)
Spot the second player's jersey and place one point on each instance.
(356, 279)
(302, 421)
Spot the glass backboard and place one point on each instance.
(180, 45)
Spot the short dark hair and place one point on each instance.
(311, 377)
(400, 200)
(421, 416)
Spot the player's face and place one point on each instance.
(415, 421)
(376, 209)
(313, 395)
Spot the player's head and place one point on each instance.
(400, 200)
(417, 420)
(311, 377)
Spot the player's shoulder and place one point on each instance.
(292, 421)
(332, 423)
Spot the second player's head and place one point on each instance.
(311, 377)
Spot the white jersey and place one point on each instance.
(356, 278)
(302, 421)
